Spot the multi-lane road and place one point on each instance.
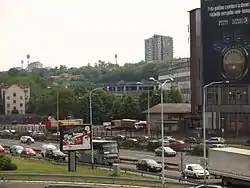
(123, 153)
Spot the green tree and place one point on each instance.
(130, 108)
(173, 95)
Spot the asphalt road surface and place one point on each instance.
(123, 153)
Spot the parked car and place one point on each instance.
(28, 152)
(247, 143)
(215, 140)
(169, 152)
(2, 149)
(16, 150)
(149, 165)
(27, 139)
(46, 147)
(55, 154)
(194, 171)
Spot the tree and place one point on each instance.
(173, 95)
(130, 108)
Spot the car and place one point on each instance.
(2, 149)
(194, 171)
(169, 152)
(27, 139)
(207, 186)
(28, 152)
(215, 140)
(55, 154)
(45, 147)
(149, 165)
(177, 144)
(191, 140)
(16, 150)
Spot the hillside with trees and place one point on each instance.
(74, 100)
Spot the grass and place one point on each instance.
(30, 166)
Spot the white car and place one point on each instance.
(16, 150)
(26, 139)
(169, 152)
(194, 171)
(208, 186)
(46, 147)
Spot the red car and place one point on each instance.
(178, 145)
(2, 149)
(28, 152)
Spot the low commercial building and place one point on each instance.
(173, 117)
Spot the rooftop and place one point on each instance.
(170, 108)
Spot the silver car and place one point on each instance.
(16, 150)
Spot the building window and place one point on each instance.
(8, 97)
(14, 101)
(8, 112)
(8, 105)
(14, 108)
(21, 104)
(14, 94)
(21, 97)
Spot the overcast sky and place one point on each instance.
(75, 32)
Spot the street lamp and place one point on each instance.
(148, 86)
(162, 124)
(204, 123)
(91, 122)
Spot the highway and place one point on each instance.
(123, 153)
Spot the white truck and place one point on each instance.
(230, 164)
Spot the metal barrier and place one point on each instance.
(8, 176)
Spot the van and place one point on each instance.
(45, 147)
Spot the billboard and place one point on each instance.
(75, 137)
(226, 40)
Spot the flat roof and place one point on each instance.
(233, 150)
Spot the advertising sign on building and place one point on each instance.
(75, 137)
(226, 40)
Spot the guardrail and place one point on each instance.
(9, 176)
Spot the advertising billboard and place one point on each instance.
(75, 137)
(226, 40)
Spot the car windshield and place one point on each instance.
(152, 162)
(19, 147)
(197, 167)
(58, 152)
(29, 150)
(110, 148)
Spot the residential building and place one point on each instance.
(158, 48)
(131, 87)
(34, 65)
(14, 98)
(179, 70)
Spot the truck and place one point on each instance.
(231, 165)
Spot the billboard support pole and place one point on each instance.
(71, 161)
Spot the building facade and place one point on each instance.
(227, 106)
(131, 87)
(14, 98)
(159, 48)
(179, 70)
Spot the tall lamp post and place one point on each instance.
(162, 124)
(91, 122)
(204, 123)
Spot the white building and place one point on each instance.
(15, 98)
(179, 70)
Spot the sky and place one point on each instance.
(77, 32)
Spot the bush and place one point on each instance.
(5, 163)
(198, 151)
